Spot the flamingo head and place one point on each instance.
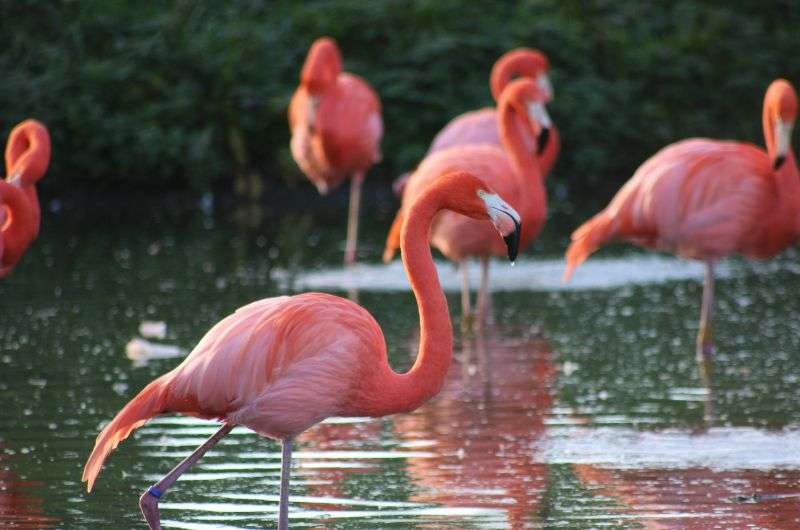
(528, 100)
(782, 106)
(468, 195)
(322, 66)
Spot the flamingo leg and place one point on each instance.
(148, 502)
(286, 465)
(484, 298)
(352, 218)
(705, 337)
(466, 309)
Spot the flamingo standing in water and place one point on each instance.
(705, 199)
(513, 171)
(481, 126)
(280, 365)
(336, 124)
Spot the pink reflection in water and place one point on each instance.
(700, 498)
(19, 508)
(484, 427)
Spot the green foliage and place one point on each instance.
(185, 94)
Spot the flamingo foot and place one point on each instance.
(148, 504)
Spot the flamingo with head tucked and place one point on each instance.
(280, 365)
(705, 199)
(512, 170)
(481, 126)
(336, 124)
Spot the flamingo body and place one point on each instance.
(699, 198)
(341, 136)
(276, 366)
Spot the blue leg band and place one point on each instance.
(154, 491)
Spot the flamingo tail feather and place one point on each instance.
(148, 403)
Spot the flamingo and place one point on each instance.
(336, 124)
(280, 365)
(481, 126)
(705, 199)
(514, 172)
(18, 225)
(27, 157)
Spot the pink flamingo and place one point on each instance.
(280, 365)
(336, 124)
(481, 126)
(514, 172)
(27, 157)
(18, 225)
(705, 199)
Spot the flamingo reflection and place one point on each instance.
(19, 508)
(484, 427)
(699, 498)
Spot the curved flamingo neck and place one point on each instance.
(391, 392)
(782, 227)
(323, 65)
(27, 152)
(532, 201)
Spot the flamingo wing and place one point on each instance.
(278, 365)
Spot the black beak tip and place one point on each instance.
(544, 135)
(778, 162)
(512, 242)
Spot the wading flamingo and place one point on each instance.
(18, 225)
(280, 365)
(705, 199)
(27, 157)
(514, 172)
(336, 124)
(481, 126)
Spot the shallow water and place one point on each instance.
(578, 408)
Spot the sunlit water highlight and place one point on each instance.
(527, 275)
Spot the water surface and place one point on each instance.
(575, 408)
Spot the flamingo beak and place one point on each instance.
(783, 137)
(537, 113)
(541, 141)
(506, 221)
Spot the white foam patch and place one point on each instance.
(719, 449)
(525, 275)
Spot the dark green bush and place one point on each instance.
(185, 94)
